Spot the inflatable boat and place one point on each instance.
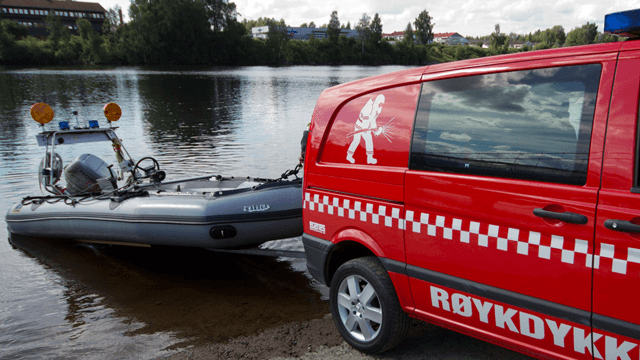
(209, 211)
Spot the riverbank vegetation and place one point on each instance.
(207, 32)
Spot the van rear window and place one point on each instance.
(531, 124)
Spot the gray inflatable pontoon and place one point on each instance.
(208, 211)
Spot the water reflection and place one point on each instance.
(188, 108)
(183, 296)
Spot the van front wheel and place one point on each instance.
(365, 307)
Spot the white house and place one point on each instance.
(300, 33)
(452, 38)
(394, 36)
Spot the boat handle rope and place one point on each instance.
(290, 172)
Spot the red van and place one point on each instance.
(498, 197)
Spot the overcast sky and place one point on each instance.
(466, 17)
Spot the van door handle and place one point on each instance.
(567, 217)
(621, 225)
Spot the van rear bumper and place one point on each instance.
(316, 250)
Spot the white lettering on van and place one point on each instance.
(314, 226)
(526, 320)
(483, 309)
(559, 332)
(532, 326)
(439, 296)
(613, 351)
(581, 342)
(503, 318)
(461, 305)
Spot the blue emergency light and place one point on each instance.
(93, 124)
(624, 23)
(64, 125)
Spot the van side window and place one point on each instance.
(531, 124)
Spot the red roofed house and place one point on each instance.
(33, 14)
(394, 36)
(452, 38)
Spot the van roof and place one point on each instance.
(528, 56)
(414, 75)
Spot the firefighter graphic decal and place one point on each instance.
(366, 127)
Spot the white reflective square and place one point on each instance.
(494, 230)
(607, 250)
(534, 238)
(544, 252)
(634, 255)
(582, 246)
(523, 248)
(424, 218)
(567, 256)
(619, 266)
(483, 240)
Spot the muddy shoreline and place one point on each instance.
(318, 339)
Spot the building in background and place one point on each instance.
(394, 36)
(521, 44)
(33, 14)
(452, 38)
(300, 33)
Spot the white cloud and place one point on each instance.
(455, 137)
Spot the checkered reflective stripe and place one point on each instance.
(377, 214)
(525, 243)
(574, 251)
(528, 243)
(618, 263)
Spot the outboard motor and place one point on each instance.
(89, 174)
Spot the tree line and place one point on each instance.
(553, 37)
(207, 32)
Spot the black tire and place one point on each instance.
(365, 306)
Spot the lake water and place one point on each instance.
(62, 300)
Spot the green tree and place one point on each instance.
(170, 31)
(7, 42)
(56, 30)
(90, 40)
(277, 39)
(232, 46)
(556, 35)
(423, 28)
(16, 30)
(583, 35)
(408, 35)
(333, 29)
(363, 29)
(111, 20)
(499, 43)
(348, 26)
(605, 38)
(312, 25)
(220, 12)
(375, 29)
